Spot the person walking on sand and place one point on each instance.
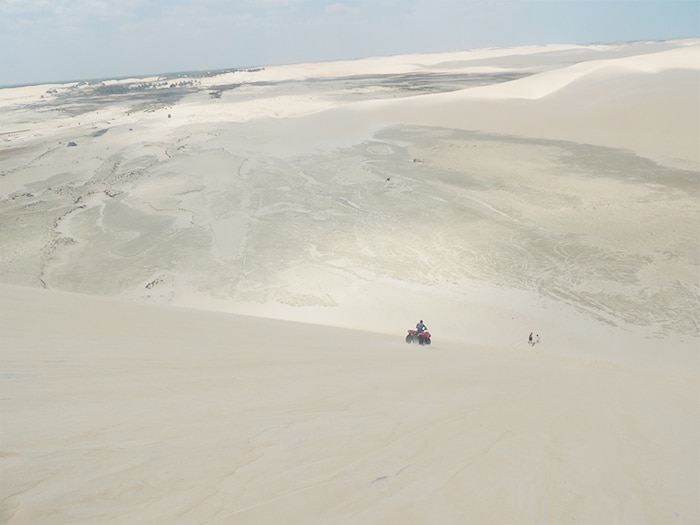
(529, 339)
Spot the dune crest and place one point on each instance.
(549, 82)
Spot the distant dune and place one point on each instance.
(287, 224)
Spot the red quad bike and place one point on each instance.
(423, 338)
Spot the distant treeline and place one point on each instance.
(121, 89)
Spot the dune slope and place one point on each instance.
(118, 413)
(206, 283)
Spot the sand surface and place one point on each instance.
(206, 282)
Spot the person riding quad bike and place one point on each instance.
(420, 334)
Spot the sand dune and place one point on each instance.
(119, 413)
(647, 104)
(286, 226)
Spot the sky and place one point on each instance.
(46, 41)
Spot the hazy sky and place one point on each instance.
(53, 40)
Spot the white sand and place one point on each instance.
(119, 413)
(305, 216)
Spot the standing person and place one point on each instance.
(420, 327)
(529, 339)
